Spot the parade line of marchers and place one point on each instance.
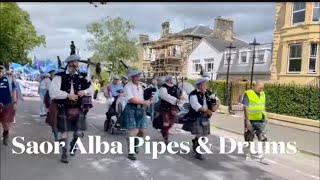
(96, 146)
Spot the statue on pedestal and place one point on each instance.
(73, 48)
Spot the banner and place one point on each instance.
(29, 88)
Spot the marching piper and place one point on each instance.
(67, 90)
(202, 106)
(169, 99)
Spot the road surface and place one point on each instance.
(166, 167)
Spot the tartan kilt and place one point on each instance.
(7, 114)
(52, 114)
(199, 127)
(66, 125)
(133, 117)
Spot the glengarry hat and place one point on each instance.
(133, 73)
(124, 77)
(201, 80)
(167, 77)
(72, 57)
(116, 77)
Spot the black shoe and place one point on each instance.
(199, 156)
(132, 157)
(64, 157)
(194, 144)
(136, 149)
(72, 145)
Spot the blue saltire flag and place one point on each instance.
(14, 66)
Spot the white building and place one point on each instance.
(241, 64)
(208, 54)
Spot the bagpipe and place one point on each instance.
(212, 101)
(86, 100)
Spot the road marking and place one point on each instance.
(309, 175)
(288, 167)
(141, 168)
(90, 124)
(239, 138)
(213, 175)
(97, 166)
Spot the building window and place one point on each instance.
(196, 66)
(243, 57)
(295, 57)
(209, 64)
(149, 53)
(298, 12)
(316, 12)
(313, 57)
(260, 56)
(226, 56)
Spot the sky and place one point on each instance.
(67, 21)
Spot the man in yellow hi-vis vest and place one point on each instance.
(96, 89)
(255, 115)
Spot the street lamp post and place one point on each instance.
(226, 94)
(254, 44)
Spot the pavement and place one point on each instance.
(167, 167)
(306, 141)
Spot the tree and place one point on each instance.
(95, 4)
(17, 34)
(111, 43)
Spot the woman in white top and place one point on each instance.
(43, 88)
(133, 117)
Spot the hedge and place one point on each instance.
(291, 100)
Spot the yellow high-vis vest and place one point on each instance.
(97, 86)
(257, 106)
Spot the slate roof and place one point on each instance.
(197, 30)
(206, 33)
(237, 68)
(221, 45)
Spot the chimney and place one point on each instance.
(223, 29)
(165, 29)
(143, 38)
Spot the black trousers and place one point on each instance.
(95, 94)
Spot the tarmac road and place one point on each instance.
(166, 167)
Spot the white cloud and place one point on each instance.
(64, 22)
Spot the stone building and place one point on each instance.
(169, 54)
(296, 43)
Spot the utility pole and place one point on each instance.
(254, 44)
(226, 94)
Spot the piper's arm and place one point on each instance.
(54, 90)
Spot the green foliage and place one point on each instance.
(291, 100)
(110, 43)
(17, 34)
(218, 87)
